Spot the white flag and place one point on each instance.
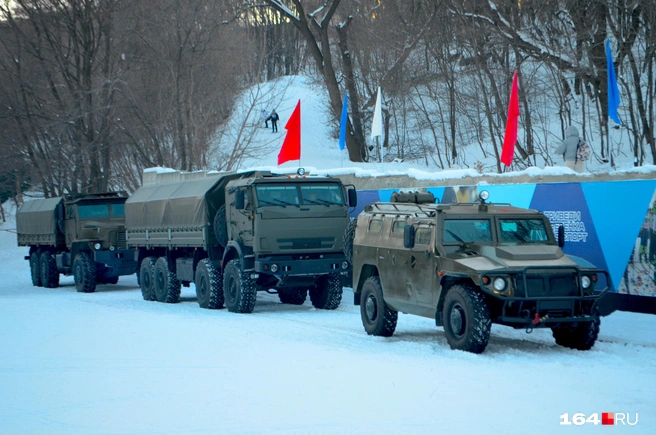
(377, 125)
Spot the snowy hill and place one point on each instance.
(320, 146)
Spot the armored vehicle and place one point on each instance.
(82, 235)
(238, 233)
(468, 266)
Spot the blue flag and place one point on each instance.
(343, 121)
(613, 91)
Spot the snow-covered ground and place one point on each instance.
(111, 363)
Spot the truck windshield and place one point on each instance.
(284, 195)
(93, 211)
(118, 209)
(324, 194)
(277, 194)
(467, 231)
(522, 231)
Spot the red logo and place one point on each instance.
(607, 418)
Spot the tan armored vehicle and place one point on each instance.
(468, 266)
(82, 235)
(238, 233)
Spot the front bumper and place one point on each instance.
(287, 265)
(546, 296)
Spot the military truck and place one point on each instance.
(238, 233)
(468, 266)
(82, 235)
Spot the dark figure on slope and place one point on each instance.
(274, 121)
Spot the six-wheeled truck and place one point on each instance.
(82, 235)
(234, 234)
(468, 266)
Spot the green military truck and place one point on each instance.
(238, 233)
(82, 235)
(468, 266)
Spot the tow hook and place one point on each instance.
(536, 321)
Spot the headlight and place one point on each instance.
(97, 246)
(585, 281)
(274, 268)
(484, 195)
(499, 284)
(344, 265)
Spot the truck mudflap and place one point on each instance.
(288, 265)
(544, 296)
(120, 260)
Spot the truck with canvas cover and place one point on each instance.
(468, 266)
(234, 234)
(82, 235)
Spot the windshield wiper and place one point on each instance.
(285, 203)
(318, 202)
(455, 236)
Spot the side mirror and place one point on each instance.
(239, 200)
(352, 197)
(409, 236)
(561, 236)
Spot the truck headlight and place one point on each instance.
(585, 281)
(97, 246)
(344, 265)
(274, 268)
(499, 284)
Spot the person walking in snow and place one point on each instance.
(274, 121)
(568, 149)
(265, 118)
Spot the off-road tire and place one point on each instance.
(377, 318)
(84, 273)
(167, 286)
(580, 337)
(466, 319)
(347, 240)
(147, 278)
(326, 294)
(220, 226)
(35, 269)
(48, 268)
(239, 289)
(294, 296)
(209, 285)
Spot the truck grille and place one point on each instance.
(306, 243)
(562, 284)
(121, 243)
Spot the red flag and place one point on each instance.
(509, 141)
(291, 146)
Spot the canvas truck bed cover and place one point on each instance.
(189, 204)
(37, 217)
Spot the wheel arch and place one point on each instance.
(367, 271)
(446, 283)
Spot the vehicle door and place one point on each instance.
(420, 265)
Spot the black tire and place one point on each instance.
(35, 269)
(84, 273)
(377, 318)
(221, 226)
(167, 285)
(293, 296)
(49, 272)
(147, 278)
(466, 319)
(209, 285)
(239, 289)
(326, 294)
(347, 240)
(580, 337)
